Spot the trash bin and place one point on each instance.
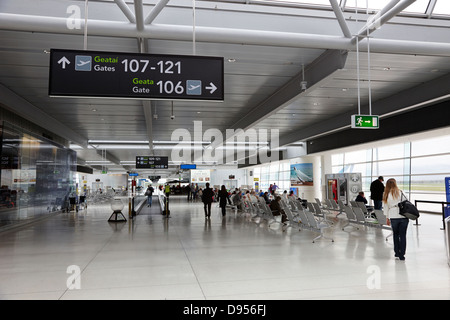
(447, 238)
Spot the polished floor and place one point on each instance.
(83, 256)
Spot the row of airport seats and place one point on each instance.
(314, 216)
(357, 214)
(296, 214)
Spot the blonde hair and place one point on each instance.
(391, 188)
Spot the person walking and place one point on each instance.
(223, 198)
(188, 191)
(399, 224)
(376, 193)
(149, 194)
(207, 199)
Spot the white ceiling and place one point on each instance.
(269, 45)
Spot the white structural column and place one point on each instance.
(155, 11)
(341, 19)
(387, 13)
(126, 10)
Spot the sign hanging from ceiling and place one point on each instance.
(152, 162)
(365, 121)
(135, 76)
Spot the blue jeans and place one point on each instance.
(399, 227)
(149, 200)
(378, 204)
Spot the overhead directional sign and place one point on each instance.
(365, 121)
(152, 162)
(135, 76)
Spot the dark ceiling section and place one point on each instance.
(423, 119)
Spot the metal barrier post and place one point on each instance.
(129, 208)
(133, 213)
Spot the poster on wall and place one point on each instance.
(301, 174)
(200, 176)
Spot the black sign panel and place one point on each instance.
(135, 76)
(152, 162)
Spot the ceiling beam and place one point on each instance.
(341, 19)
(126, 10)
(30, 23)
(316, 72)
(155, 11)
(139, 14)
(386, 14)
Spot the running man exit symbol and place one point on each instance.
(365, 122)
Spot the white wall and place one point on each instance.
(112, 180)
(219, 175)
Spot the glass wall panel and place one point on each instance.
(433, 164)
(358, 156)
(395, 151)
(430, 146)
(388, 168)
(37, 176)
(428, 183)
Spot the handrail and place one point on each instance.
(443, 209)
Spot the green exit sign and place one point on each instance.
(360, 121)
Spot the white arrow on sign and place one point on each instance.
(211, 87)
(63, 61)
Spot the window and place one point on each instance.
(419, 167)
(431, 146)
(442, 7)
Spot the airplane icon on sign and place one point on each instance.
(82, 63)
(192, 87)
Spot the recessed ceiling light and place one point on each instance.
(344, 89)
(231, 60)
(386, 68)
(94, 110)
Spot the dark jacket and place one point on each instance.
(376, 190)
(360, 198)
(275, 207)
(207, 196)
(223, 196)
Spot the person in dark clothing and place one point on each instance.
(277, 210)
(266, 197)
(149, 194)
(207, 199)
(188, 190)
(223, 198)
(376, 193)
(361, 198)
